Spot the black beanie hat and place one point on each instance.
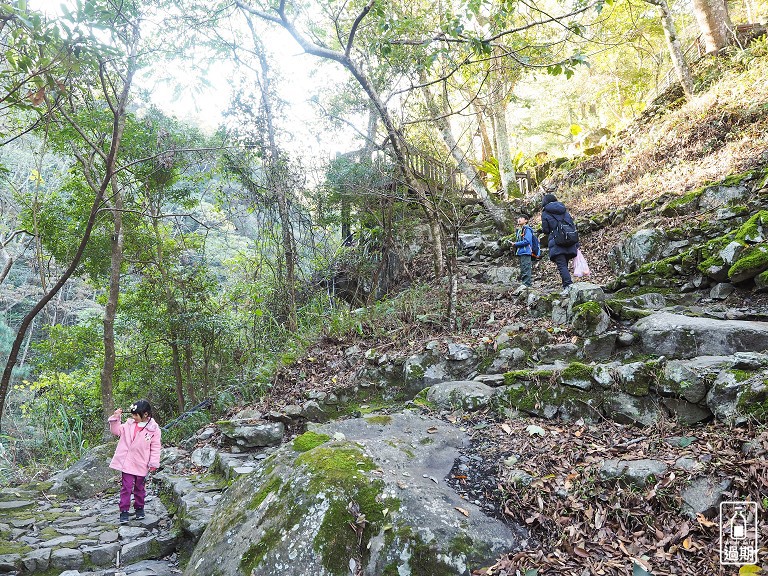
(547, 198)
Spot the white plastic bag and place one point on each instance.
(580, 266)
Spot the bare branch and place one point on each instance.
(13, 234)
(355, 25)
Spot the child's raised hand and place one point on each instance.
(118, 413)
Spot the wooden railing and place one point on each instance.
(692, 54)
(449, 178)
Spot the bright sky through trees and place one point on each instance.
(201, 93)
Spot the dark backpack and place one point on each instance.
(565, 234)
(535, 246)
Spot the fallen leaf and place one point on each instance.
(749, 569)
(465, 512)
(534, 430)
(432, 430)
(506, 428)
(580, 552)
(704, 522)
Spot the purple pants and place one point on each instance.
(132, 484)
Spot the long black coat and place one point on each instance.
(551, 214)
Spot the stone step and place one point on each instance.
(58, 535)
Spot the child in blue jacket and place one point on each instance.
(524, 245)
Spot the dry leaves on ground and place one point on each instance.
(587, 525)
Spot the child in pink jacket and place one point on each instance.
(137, 453)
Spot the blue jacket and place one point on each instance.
(524, 240)
(551, 214)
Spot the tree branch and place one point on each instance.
(355, 25)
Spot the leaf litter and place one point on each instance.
(582, 524)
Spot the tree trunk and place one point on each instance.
(675, 51)
(110, 312)
(453, 277)
(173, 311)
(191, 394)
(395, 135)
(440, 117)
(714, 23)
(176, 364)
(277, 183)
(486, 148)
(506, 169)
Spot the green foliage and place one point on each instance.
(69, 408)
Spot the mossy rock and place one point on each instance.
(753, 400)
(619, 310)
(751, 262)
(578, 375)
(754, 229)
(589, 319)
(685, 204)
(309, 440)
(548, 399)
(761, 282)
(313, 512)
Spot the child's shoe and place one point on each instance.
(139, 514)
(124, 517)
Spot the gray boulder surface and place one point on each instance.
(384, 475)
(464, 394)
(677, 336)
(88, 476)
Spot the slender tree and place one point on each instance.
(279, 15)
(115, 79)
(679, 63)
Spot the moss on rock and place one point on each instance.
(379, 419)
(421, 400)
(684, 204)
(753, 401)
(14, 548)
(339, 472)
(750, 230)
(309, 440)
(271, 485)
(256, 553)
(577, 371)
(751, 262)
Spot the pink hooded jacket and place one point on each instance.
(135, 455)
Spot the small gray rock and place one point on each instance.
(634, 472)
(703, 496)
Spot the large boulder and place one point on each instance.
(641, 247)
(462, 394)
(676, 336)
(90, 475)
(247, 434)
(716, 196)
(366, 496)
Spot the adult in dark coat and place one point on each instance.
(553, 212)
